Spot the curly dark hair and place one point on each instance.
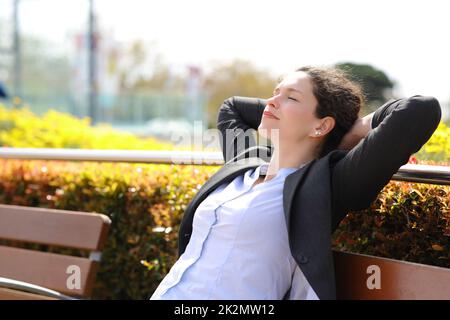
(337, 97)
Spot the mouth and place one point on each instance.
(269, 115)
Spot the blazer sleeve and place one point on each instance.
(399, 128)
(238, 120)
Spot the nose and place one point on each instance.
(273, 102)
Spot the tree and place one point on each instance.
(45, 71)
(238, 78)
(375, 83)
(146, 70)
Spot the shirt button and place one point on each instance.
(302, 259)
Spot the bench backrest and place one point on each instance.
(356, 278)
(62, 228)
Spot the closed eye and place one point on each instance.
(293, 99)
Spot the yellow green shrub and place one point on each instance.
(438, 146)
(21, 128)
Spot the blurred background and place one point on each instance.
(151, 68)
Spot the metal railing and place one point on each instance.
(132, 156)
(430, 174)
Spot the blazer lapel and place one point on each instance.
(291, 184)
(225, 174)
(232, 169)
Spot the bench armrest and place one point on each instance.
(32, 288)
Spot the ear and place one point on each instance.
(325, 126)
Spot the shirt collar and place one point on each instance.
(262, 170)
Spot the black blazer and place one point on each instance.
(319, 195)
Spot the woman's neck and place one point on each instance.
(288, 156)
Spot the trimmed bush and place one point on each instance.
(144, 202)
(407, 221)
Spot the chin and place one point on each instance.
(267, 132)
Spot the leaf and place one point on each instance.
(437, 247)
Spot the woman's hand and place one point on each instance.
(359, 130)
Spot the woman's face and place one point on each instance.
(293, 104)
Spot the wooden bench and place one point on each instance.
(32, 274)
(356, 279)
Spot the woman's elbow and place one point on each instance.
(429, 108)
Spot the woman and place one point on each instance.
(260, 227)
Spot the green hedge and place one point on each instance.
(141, 200)
(146, 202)
(407, 221)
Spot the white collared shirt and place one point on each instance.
(239, 247)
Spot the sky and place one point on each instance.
(407, 39)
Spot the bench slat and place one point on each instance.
(47, 269)
(64, 228)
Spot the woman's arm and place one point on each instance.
(359, 131)
(399, 128)
(238, 120)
